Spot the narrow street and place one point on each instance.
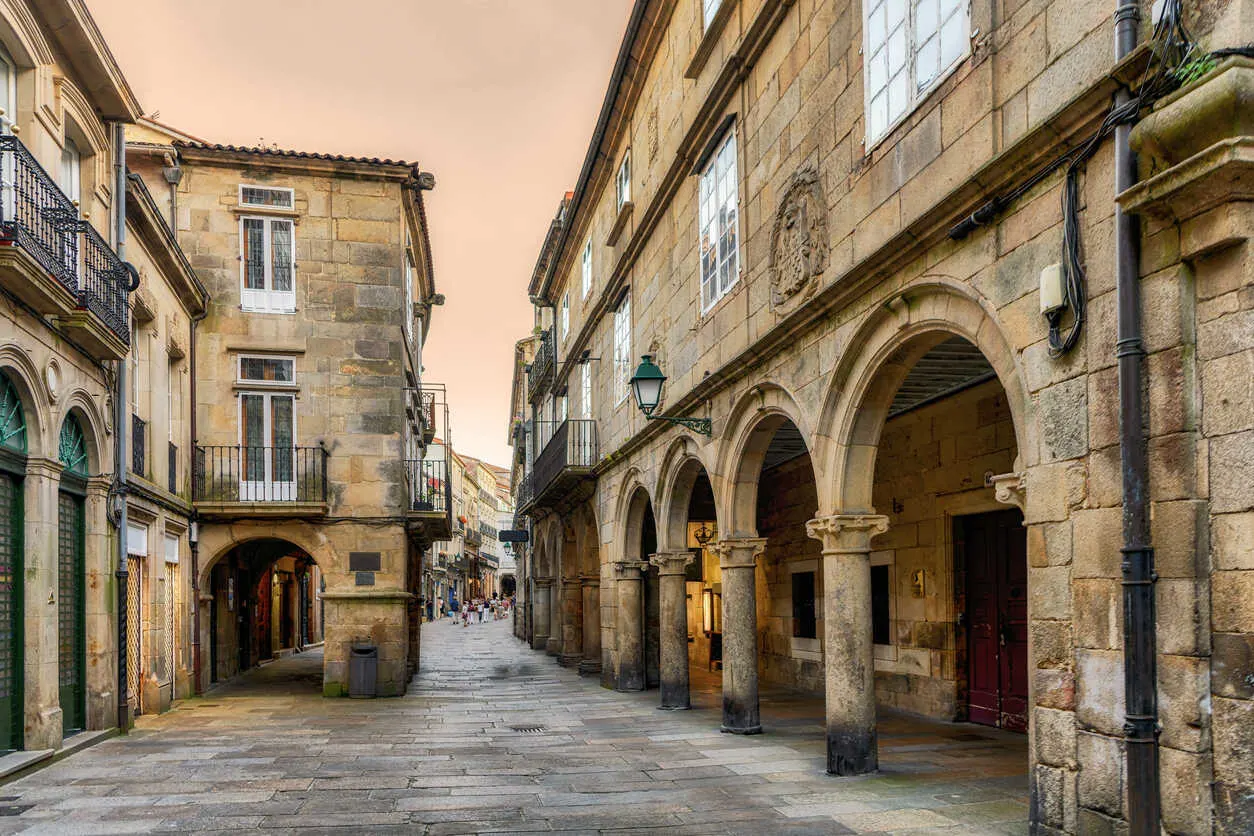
(494, 737)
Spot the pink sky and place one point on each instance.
(497, 97)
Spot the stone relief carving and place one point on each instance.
(799, 248)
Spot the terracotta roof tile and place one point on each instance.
(284, 152)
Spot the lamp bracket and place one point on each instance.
(704, 426)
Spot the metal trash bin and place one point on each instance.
(363, 671)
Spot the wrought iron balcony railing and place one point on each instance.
(542, 365)
(570, 451)
(223, 474)
(139, 432)
(488, 531)
(428, 486)
(38, 217)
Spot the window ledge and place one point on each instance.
(284, 312)
(620, 223)
(267, 211)
(710, 39)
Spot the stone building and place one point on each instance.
(835, 229)
(64, 330)
(314, 500)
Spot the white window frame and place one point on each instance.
(291, 197)
(585, 390)
(716, 188)
(267, 299)
(8, 167)
(408, 313)
(622, 349)
(565, 317)
(253, 383)
(709, 10)
(71, 171)
(622, 181)
(587, 268)
(914, 92)
(269, 488)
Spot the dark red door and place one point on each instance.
(994, 548)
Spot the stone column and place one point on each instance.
(630, 625)
(848, 659)
(674, 627)
(572, 623)
(591, 662)
(41, 666)
(553, 646)
(540, 612)
(738, 559)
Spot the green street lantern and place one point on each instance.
(646, 387)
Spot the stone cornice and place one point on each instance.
(295, 164)
(144, 218)
(1063, 131)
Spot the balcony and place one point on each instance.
(473, 538)
(541, 370)
(563, 472)
(429, 500)
(260, 481)
(57, 263)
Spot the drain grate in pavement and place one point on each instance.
(528, 729)
(14, 809)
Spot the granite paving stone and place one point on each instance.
(266, 752)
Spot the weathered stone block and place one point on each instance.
(1055, 736)
(1098, 613)
(1231, 596)
(1232, 472)
(1097, 539)
(1062, 411)
(1232, 541)
(1051, 644)
(1185, 790)
(1100, 781)
(1099, 690)
(1183, 616)
(1232, 725)
(1227, 392)
(1049, 591)
(1232, 665)
(1183, 688)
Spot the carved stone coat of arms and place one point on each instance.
(799, 248)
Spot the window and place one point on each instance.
(804, 617)
(278, 370)
(587, 268)
(266, 265)
(585, 390)
(559, 407)
(565, 330)
(268, 197)
(8, 91)
(407, 314)
(710, 9)
(879, 605)
(622, 349)
(909, 45)
(267, 432)
(71, 171)
(622, 183)
(720, 261)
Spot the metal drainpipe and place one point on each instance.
(1139, 641)
(120, 429)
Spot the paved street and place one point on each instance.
(483, 743)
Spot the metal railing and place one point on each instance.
(38, 217)
(259, 474)
(573, 444)
(543, 363)
(139, 432)
(428, 488)
(426, 411)
(173, 470)
(488, 531)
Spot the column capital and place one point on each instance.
(590, 580)
(1010, 489)
(739, 552)
(99, 485)
(572, 582)
(846, 533)
(630, 570)
(39, 466)
(671, 563)
(543, 582)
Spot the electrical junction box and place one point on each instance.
(1052, 296)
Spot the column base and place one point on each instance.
(553, 646)
(589, 668)
(852, 753)
(571, 661)
(674, 707)
(538, 642)
(750, 730)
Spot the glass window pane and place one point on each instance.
(953, 39)
(896, 50)
(281, 429)
(877, 72)
(926, 21)
(252, 408)
(281, 240)
(928, 63)
(895, 12)
(876, 28)
(898, 96)
(254, 254)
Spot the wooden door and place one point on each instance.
(11, 610)
(71, 611)
(994, 549)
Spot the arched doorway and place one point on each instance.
(266, 604)
(926, 565)
(72, 578)
(12, 524)
(639, 664)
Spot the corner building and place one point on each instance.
(907, 500)
(314, 497)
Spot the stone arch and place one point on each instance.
(22, 38)
(634, 500)
(21, 372)
(751, 427)
(681, 467)
(587, 540)
(886, 345)
(80, 406)
(301, 540)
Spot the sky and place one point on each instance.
(497, 98)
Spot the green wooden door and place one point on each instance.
(71, 612)
(11, 697)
